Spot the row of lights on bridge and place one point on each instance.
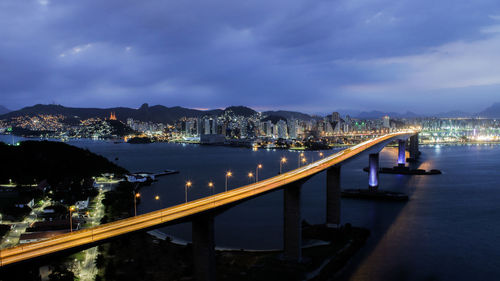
(211, 185)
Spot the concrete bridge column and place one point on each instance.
(373, 166)
(402, 153)
(204, 247)
(414, 152)
(333, 196)
(292, 225)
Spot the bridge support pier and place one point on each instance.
(414, 152)
(373, 170)
(204, 247)
(333, 196)
(402, 153)
(292, 224)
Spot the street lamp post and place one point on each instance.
(188, 185)
(250, 175)
(71, 209)
(259, 166)
(301, 155)
(228, 175)
(282, 161)
(136, 195)
(157, 198)
(212, 187)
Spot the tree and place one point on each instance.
(100, 261)
(61, 274)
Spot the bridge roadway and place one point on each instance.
(155, 218)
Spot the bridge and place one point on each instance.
(201, 212)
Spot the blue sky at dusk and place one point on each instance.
(313, 56)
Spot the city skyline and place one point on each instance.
(368, 113)
(309, 57)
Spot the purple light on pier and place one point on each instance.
(373, 171)
(402, 153)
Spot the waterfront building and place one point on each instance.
(282, 129)
(386, 122)
(293, 128)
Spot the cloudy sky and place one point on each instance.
(314, 56)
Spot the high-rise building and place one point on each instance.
(243, 128)
(199, 126)
(207, 127)
(282, 130)
(386, 122)
(214, 125)
(269, 129)
(189, 127)
(294, 124)
(335, 117)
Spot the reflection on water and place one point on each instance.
(448, 230)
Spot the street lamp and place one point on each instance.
(259, 166)
(282, 161)
(250, 175)
(321, 154)
(228, 175)
(71, 210)
(301, 155)
(188, 185)
(136, 195)
(304, 161)
(212, 187)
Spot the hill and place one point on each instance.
(453, 114)
(274, 118)
(33, 161)
(240, 111)
(288, 114)
(4, 110)
(379, 114)
(157, 113)
(491, 112)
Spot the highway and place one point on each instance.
(121, 227)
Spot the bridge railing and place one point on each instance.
(111, 229)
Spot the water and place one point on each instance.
(448, 230)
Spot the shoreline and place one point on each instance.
(326, 252)
(182, 242)
(334, 146)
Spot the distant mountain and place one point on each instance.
(4, 110)
(288, 114)
(273, 118)
(163, 114)
(379, 114)
(157, 113)
(241, 111)
(453, 114)
(491, 112)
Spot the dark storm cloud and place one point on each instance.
(305, 55)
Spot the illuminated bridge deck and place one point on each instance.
(171, 214)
